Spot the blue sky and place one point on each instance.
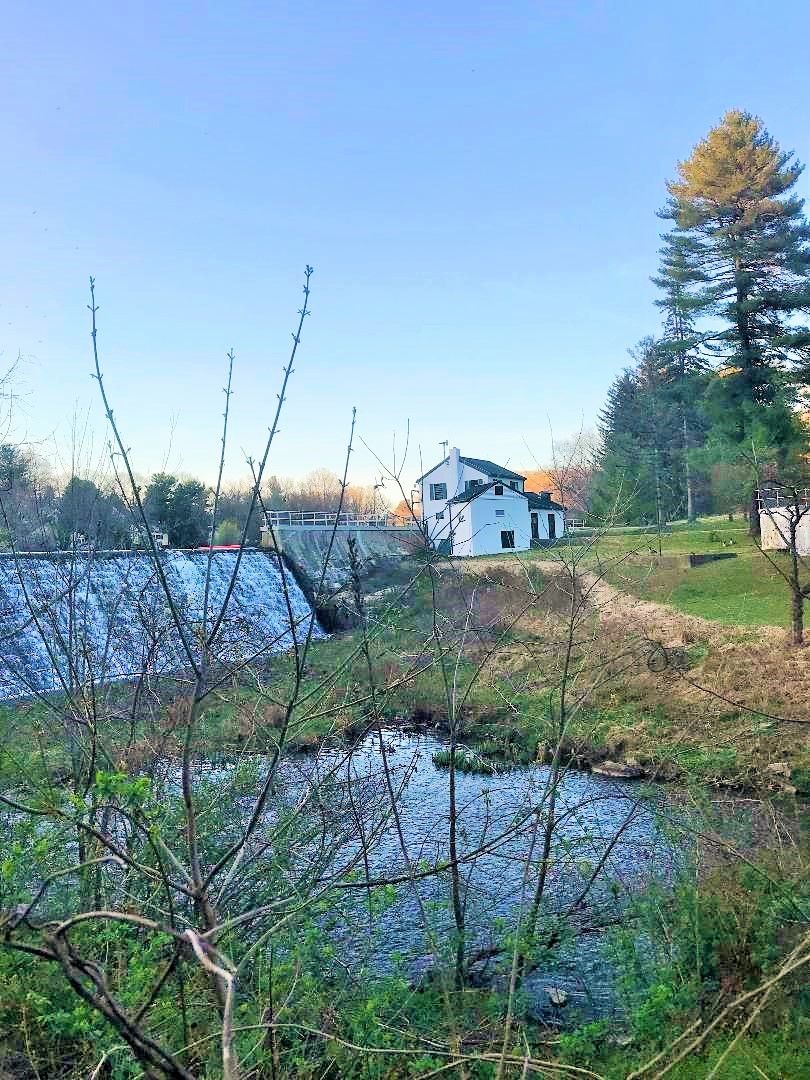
(476, 186)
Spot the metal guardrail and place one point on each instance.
(772, 498)
(318, 519)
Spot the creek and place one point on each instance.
(608, 846)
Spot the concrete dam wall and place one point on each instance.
(307, 546)
(64, 618)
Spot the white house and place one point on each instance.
(472, 506)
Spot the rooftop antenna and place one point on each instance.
(444, 444)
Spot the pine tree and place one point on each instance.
(640, 467)
(621, 488)
(740, 252)
(744, 249)
(685, 373)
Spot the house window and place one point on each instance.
(470, 484)
(438, 492)
(507, 538)
(499, 513)
(440, 516)
(499, 489)
(513, 484)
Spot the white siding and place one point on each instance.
(543, 531)
(475, 526)
(462, 528)
(774, 525)
(480, 531)
(455, 476)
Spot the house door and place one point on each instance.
(552, 526)
(535, 528)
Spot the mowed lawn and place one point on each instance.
(743, 591)
(746, 590)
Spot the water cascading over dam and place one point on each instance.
(65, 618)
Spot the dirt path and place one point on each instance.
(742, 689)
(645, 617)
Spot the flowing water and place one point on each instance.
(63, 615)
(108, 614)
(604, 827)
(606, 831)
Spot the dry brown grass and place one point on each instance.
(717, 688)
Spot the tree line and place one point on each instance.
(713, 400)
(42, 514)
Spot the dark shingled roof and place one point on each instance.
(489, 468)
(478, 489)
(543, 501)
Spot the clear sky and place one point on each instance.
(475, 184)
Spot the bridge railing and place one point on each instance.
(771, 498)
(319, 519)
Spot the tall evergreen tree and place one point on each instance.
(100, 517)
(180, 507)
(685, 374)
(640, 464)
(619, 490)
(744, 246)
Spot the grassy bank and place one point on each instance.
(487, 647)
(498, 671)
(745, 590)
(490, 648)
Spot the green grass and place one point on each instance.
(470, 762)
(780, 1054)
(703, 763)
(708, 535)
(744, 591)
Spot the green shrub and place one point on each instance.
(585, 1045)
(469, 762)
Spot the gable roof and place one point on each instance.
(479, 489)
(489, 468)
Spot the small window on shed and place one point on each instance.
(508, 538)
(499, 489)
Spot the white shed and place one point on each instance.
(774, 528)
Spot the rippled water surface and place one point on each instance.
(604, 827)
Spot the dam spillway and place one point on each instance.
(66, 618)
